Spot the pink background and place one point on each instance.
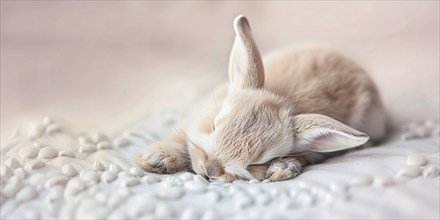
(103, 65)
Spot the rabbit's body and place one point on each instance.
(321, 81)
(256, 126)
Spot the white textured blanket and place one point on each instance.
(103, 64)
(49, 172)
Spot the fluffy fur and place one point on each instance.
(311, 100)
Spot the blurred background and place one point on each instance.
(102, 65)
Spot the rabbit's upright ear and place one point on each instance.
(245, 65)
(320, 133)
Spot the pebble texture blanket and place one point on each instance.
(102, 64)
(48, 171)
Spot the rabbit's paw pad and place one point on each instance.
(279, 171)
(157, 163)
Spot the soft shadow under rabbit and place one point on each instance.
(260, 125)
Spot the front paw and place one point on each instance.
(279, 171)
(162, 161)
(156, 163)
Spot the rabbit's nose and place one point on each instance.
(214, 168)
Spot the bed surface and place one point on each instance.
(116, 75)
(50, 172)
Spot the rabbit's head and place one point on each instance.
(255, 126)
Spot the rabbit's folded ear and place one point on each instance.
(245, 65)
(320, 133)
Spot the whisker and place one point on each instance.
(198, 116)
(191, 115)
(216, 103)
(182, 133)
(186, 136)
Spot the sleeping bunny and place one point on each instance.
(272, 114)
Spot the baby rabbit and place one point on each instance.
(258, 126)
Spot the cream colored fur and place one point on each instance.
(309, 100)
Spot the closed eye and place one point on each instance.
(205, 176)
(259, 164)
(214, 178)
